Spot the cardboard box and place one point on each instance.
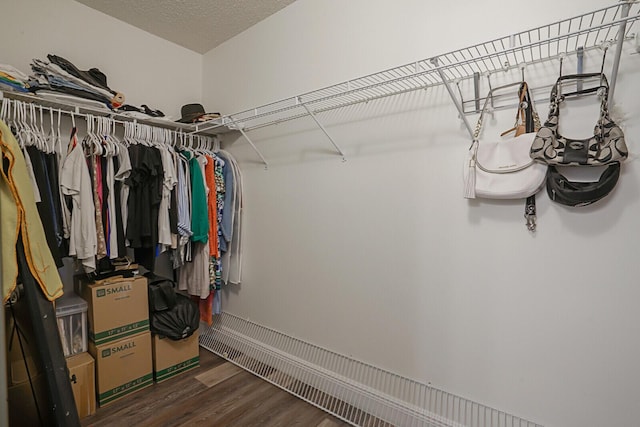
(23, 410)
(82, 376)
(171, 358)
(20, 331)
(118, 308)
(122, 367)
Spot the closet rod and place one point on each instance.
(176, 135)
(76, 110)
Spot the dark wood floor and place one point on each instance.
(215, 394)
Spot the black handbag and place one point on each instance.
(162, 293)
(571, 193)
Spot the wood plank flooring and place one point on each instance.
(216, 394)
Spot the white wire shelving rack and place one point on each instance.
(354, 391)
(78, 108)
(608, 26)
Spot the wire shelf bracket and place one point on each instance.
(315, 119)
(455, 101)
(244, 134)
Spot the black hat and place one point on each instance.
(191, 112)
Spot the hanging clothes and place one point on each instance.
(76, 182)
(145, 195)
(199, 215)
(226, 227)
(116, 212)
(48, 207)
(121, 176)
(168, 183)
(173, 205)
(32, 177)
(232, 258)
(183, 190)
(193, 276)
(19, 219)
(95, 170)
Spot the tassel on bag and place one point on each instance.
(470, 173)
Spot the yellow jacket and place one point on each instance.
(18, 214)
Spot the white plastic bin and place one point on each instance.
(71, 313)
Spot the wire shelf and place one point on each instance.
(354, 391)
(81, 107)
(589, 30)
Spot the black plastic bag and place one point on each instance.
(179, 322)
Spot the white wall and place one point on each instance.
(146, 68)
(381, 257)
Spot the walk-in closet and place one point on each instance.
(320, 213)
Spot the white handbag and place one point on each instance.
(501, 168)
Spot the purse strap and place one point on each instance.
(557, 97)
(525, 104)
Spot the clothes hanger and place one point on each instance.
(33, 128)
(4, 109)
(94, 139)
(45, 137)
(52, 133)
(59, 134)
(25, 132)
(104, 132)
(114, 137)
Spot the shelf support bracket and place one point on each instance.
(447, 85)
(580, 67)
(313, 116)
(624, 13)
(241, 129)
(476, 91)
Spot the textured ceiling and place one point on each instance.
(199, 25)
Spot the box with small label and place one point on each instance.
(171, 358)
(122, 367)
(118, 308)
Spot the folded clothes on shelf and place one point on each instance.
(13, 79)
(59, 75)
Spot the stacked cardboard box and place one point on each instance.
(171, 358)
(24, 370)
(119, 338)
(83, 383)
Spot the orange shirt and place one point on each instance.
(212, 207)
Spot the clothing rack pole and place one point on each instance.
(76, 113)
(616, 59)
(463, 117)
(315, 119)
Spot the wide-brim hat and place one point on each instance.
(192, 113)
